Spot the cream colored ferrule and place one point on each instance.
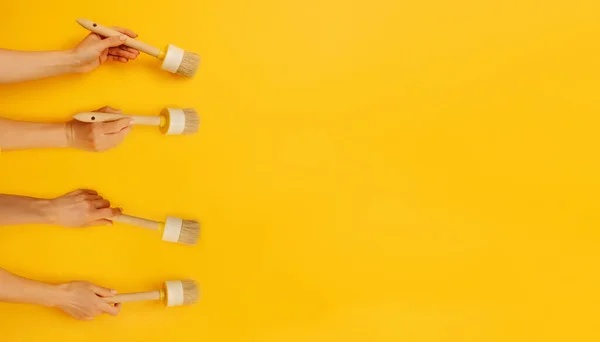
(173, 58)
(176, 121)
(172, 229)
(174, 289)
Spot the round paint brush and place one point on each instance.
(173, 293)
(175, 59)
(174, 229)
(169, 121)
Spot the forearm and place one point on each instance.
(16, 135)
(24, 210)
(15, 289)
(18, 66)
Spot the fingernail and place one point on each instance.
(123, 37)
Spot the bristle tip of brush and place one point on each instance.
(191, 292)
(192, 121)
(190, 232)
(189, 64)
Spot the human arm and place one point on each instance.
(82, 300)
(91, 52)
(80, 208)
(19, 135)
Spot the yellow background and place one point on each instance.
(365, 171)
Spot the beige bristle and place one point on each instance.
(189, 64)
(190, 232)
(192, 121)
(191, 293)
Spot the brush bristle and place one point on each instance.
(192, 121)
(189, 64)
(191, 293)
(190, 232)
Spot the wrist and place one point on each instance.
(70, 62)
(55, 295)
(44, 211)
(68, 134)
(60, 134)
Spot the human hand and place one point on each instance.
(84, 301)
(94, 50)
(81, 208)
(99, 136)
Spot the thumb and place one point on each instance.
(113, 41)
(103, 291)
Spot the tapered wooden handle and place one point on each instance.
(138, 222)
(105, 117)
(108, 32)
(134, 297)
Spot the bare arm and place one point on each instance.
(81, 300)
(24, 210)
(17, 66)
(15, 289)
(80, 208)
(18, 135)
(90, 53)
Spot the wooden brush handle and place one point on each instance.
(108, 32)
(134, 297)
(138, 222)
(105, 117)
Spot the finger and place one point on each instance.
(92, 37)
(112, 41)
(127, 48)
(106, 213)
(114, 126)
(109, 309)
(108, 109)
(126, 31)
(122, 53)
(121, 134)
(118, 59)
(98, 223)
(101, 203)
(73, 313)
(87, 197)
(83, 191)
(80, 314)
(117, 138)
(102, 291)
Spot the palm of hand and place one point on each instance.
(94, 50)
(89, 55)
(84, 300)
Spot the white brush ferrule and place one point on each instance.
(173, 58)
(172, 229)
(174, 292)
(176, 121)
